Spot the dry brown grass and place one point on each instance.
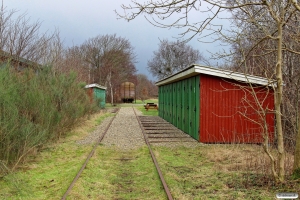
(250, 167)
(243, 157)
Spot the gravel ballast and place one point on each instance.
(94, 135)
(124, 132)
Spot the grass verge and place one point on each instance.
(114, 174)
(150, 112)
(218, 172)
(138, 101)
(135, 103)
(47, 175)
(202, 172)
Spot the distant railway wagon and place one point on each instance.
(127, 92)
(96, 92)
(218, 106)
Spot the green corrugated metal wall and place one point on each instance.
(179, 105)
(100, 94)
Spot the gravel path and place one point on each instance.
(94, 135)
(124, 133)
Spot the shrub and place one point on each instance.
(35, 108)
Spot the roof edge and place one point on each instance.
(95, 85)
(196, 69)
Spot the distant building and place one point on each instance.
(16, 62)
(96, 93)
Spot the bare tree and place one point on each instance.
(279, 13)
(117, 68)
(52, 52)
(98, 50)
(72, 60)
(257, 54)
(110, 60)
(105, 59)
(21, 38)
(5, 19)
(295, 38)
(144, 87)
(172, 57)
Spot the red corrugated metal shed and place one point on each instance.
(228, 111)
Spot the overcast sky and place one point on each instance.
(79, 20)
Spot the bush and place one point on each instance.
(35, 108)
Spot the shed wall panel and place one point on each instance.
(174, 114)
(168, 107)
(229, 112)
(163, 102)
(185, 106)
(182, 105)
(98, 95)
(166, 103)
(178, 104)
(160, 100)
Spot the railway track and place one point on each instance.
(155, 130)
(166, 188)
(89, 156)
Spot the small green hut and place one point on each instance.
(96, 92)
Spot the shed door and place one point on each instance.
(190, 106)
(100, 95)
(193, 107)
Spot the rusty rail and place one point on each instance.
(88, 158)
(168, 193)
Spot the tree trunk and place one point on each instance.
(111, 94)
(278, 101)
(111, 89)
(297, 148)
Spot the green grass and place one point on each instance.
(102, 117)
(150, 112)
(221, 172)
(202, 172)
(191, 175)
(138, 102)
(47, 175)
(113, 174)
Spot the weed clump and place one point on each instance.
(296, 174)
